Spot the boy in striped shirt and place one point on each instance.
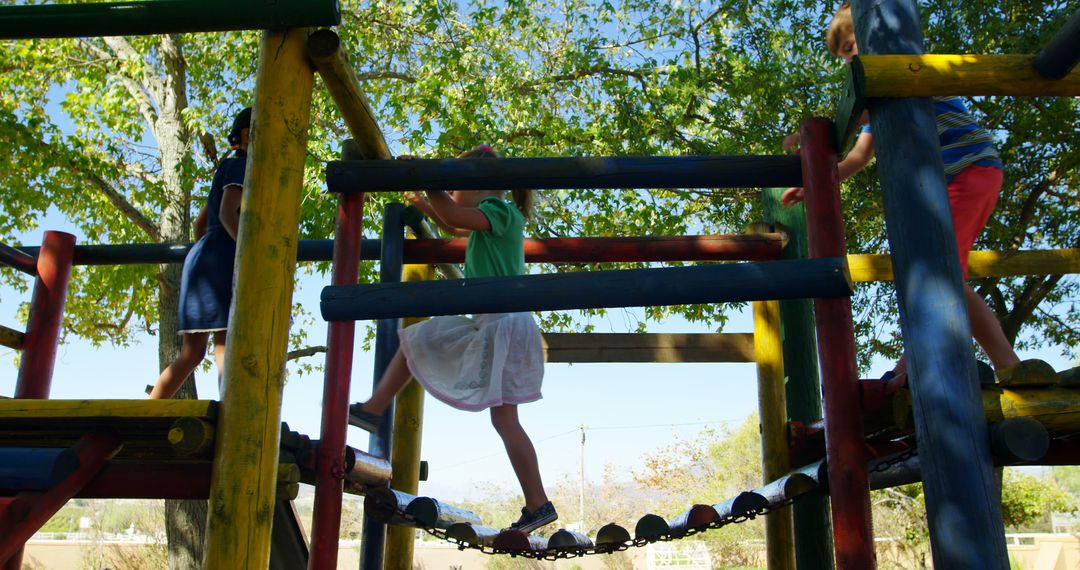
(974, 174)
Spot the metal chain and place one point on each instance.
(895, 460)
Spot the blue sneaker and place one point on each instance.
(531, 521)
(366, 421)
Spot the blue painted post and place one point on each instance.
(962, 503)
(373, 534)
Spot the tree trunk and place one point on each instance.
(185, 521)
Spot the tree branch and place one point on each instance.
(304, 352)
(387, 74)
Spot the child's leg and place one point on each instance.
(219, 357)
(393, 380)
(986, 329)
(522, 454)
(191, 354)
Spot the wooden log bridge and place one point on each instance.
(726, 283)
(554, 173)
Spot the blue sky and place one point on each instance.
(629, 409)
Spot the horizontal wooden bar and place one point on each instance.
(35, 468)
(758, 247)
(18, 258)
(70, 409)
(721, 283)
(878, 267)
(648, 347)
(552, 173)
(153, 17)
(1060, 55)
(11, 338)
(962, 75)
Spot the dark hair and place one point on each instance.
(522, 198)
(241, 122)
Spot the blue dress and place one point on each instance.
(206, 283)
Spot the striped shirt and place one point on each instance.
(963, 141)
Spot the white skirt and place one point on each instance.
(473, 363)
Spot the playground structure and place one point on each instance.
(950, 424)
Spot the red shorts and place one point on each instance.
(972, 196)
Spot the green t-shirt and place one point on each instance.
(499, 251)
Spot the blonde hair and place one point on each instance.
(522, 198)
(840, 28)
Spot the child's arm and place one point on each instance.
(230, 209)
(456, 216)
(855, 161)
(200, 223)
(424, 206)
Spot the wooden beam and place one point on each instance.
(931, 75)
(324, 49)
(772, 409)
(153, 17)
(11, 338)
(1060, 55)
(850, 109)
(243, 486)
(723, 283)
(878, 267)
(648, 347)
(71, 409)
(553, 173)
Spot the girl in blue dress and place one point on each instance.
(206, 283)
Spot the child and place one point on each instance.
(491, 361)
(973, 171)
(206, 283)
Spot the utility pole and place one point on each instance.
(581, 487)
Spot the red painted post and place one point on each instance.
(330, 469)
(38, 356)
(29, 511)
(844, 447)
(46, 314)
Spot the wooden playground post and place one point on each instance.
(53, 270)
(245, 464)
(380, 444)
(810, 515)
(779, 533)
(408, 429)
(54, 263)
(340, 336)
(962, 502)
(849, 487)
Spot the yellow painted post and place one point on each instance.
(244, 479)
(408, 429)
(772, 407)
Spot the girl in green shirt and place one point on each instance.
(488, 361)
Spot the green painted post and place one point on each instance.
(813, 529)
(149, 17)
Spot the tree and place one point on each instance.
(709, 469)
